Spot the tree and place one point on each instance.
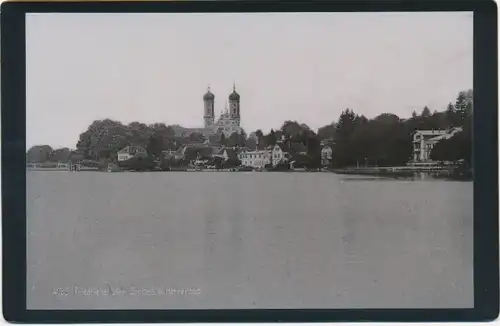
(76, 156)
(233, 140)
(242, 141)
(156, 145)
(458, 147)
(387, 119)
(270, 139)
(251, 143)
(222, 139)
(103, 139)
(426, 112)
(291, 129)
(38, 154)
(327, 132)
(451, 115)
(196, 137)
(463, 106)
(161, 130)
(218, 162)
(61, 155)
(260, 139)
(231, 163)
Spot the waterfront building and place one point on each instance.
(285, 151)
(280, 154)
(129, 152)
(326, 155)
(425, 140)
(255, 159)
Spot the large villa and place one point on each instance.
(424, 141)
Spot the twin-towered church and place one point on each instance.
(229, 119)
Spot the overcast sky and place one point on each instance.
(305, 67)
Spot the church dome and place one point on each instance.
(234, 96)
(208, 95)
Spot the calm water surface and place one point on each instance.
(246, 240)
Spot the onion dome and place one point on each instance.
(234, 96)
(208, 95)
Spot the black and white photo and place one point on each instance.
(249, 160)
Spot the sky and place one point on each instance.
(296, 66)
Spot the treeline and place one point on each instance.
(45, 153)
(104, 138)
(385, 140)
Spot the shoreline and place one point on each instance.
(388, 172)
(410, 172)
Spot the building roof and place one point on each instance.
(208, 95)
(437, 138)
(292, 147)
(282, 146)
(234, 96)
(431, 132)
(132, 150)
(257, 151)
(437, 135)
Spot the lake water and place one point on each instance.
(180, 240)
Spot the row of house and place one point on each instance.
(283, 152)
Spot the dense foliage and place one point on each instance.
(385, 140)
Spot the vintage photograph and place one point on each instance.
(249, 160)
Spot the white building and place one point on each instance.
(130, 151)
(326, 155)
(255, 159)
(424, 141)
(279, 154)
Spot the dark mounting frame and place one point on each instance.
(486, 262)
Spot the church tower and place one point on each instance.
(234, 106)
(209, 116)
